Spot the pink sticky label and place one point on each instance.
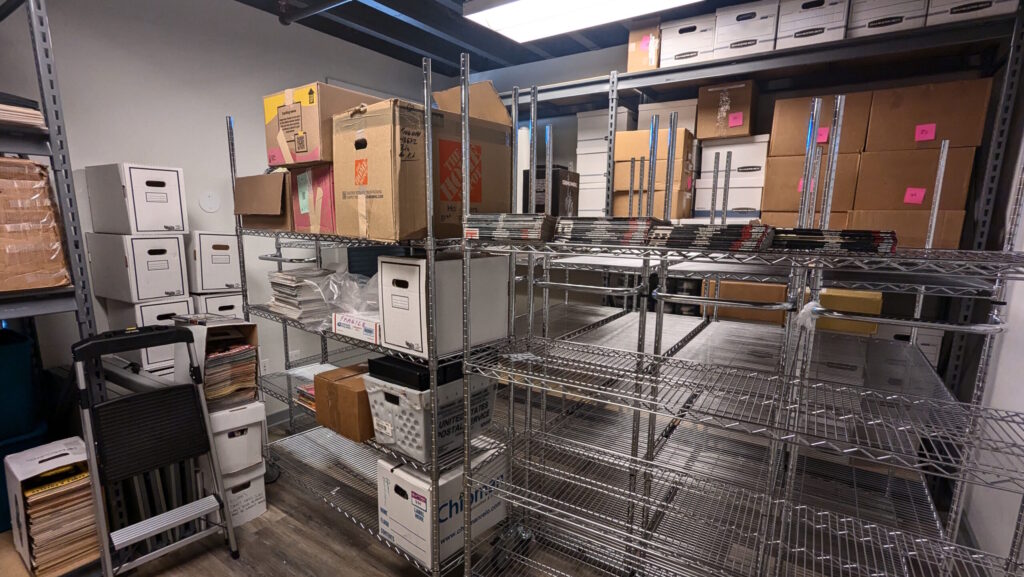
(645, 42)
(735, 119)
(800, 186)
(823, 134)
(689, 182)
(924, 132)
(914, 195)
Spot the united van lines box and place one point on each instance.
(783, 183)
(313, 199)
(212, 262)
(298, 121)
(644, 48)
(923, 116)
(745, 29)
(137, 268)
(803, 22)
(264, 201)
(869, 17)
(911, 226)
(725, 110)
(688, 41)
(789, 124)
(133, 199)
(905, 180)
(379, 170)
(944, 11)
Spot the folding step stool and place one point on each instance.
(141, 432)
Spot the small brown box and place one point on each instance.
(783, 187)
(342, 404)
(726, 110)
(682, 204)
(264, 201)
(644, 49)
(836, 220)
(911, 226)
(925, 115)
(789, 124)
(756, 292)
(905, 180)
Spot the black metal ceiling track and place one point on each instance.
(8, 7)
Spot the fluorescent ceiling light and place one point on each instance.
(526, 20)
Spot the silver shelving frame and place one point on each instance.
(761, 455)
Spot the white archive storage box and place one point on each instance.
(402, 283)
(593, 125)
(745, 28)
(136, 268)
(687, 110)
(744, 202)
(158, 312)
(749, 157)
(869, 17)
(229, 305)
(238, 434)
(403, 505)
(945, 11)
(246, 492)
(686, 41)
(806, 22)
(212, 262)
(132, 199)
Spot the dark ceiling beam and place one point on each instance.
(453, 5)
(293, 16)
(583, 41)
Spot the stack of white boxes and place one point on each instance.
(213, 273)
(137, 252)
(746, 177)
(238, 434)
(592, 156)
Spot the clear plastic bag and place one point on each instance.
(345, 292)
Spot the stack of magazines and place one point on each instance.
(61, 521)
(522, 227)
(21, 114)
(728, 237)
(624, 231)
(296, 294)
(230, 375)
(873, 241)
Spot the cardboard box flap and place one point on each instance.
(38, 460)
(484, 102)
(264, 194)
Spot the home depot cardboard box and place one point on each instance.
(342, 404)
(312, 194)
(836, 220)
(644, 48)
(751, 292)
(379, 171)
(264, 201)
(905, 180)
(850, 301)
(923, 116)
(783, 183)
(911, 226)
(789, 123)
(298, 121)
(636, 144)
(726, 110)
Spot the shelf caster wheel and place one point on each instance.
(273, 473)
(236, 555)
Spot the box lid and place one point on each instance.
(340, 374)
(484, 102)
(228, 419)
(37, 460)
(264, 194)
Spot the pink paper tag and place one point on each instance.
(924, 132)
(689, 182)
(735, 119)
(823, 134)
(800, 186)
(914, 195)
(645, 42)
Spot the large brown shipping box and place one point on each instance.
(636, 144)
(264, 201)
(911, 226)
(783, 184)
(905, 180)
(923, 116)
(756, 292)
(342, 404)
(789, 124)
(298, 121)
(32, 255)
(850, 301)
(726, 110)
(836, 220)
(379, 171)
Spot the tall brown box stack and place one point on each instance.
(635, 144)
(342, 404)
(32, 255)
(895, 187)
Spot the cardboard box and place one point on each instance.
(923, 116)
(362, 326)
(33, 254)
(836, 220)
(850, 301)
(566, 198)
(686, 109)
(743, 29)
(593, 125)
(945, 11)
(688, 41)
(744, 202)
(803, 23)
(905, 180)
(238, 434)
(229, 305)
(911, 226)
(870, 17)
(783, 183)
(726, 110)
(403, 310)
(341, 403)
(132, 199)
(313, 199)
(136, 269)
(379, 171)
(264, 201)
(212, 259)
(682, 204)
(644, 48)
(21, 468)
(636, 144)
(747, 168)
(403, 505)
(751, 292)
(298, 121)
(789, 124)
(121, 315)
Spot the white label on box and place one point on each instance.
(385, 427)
(400, 302)
(158, 265)
(220, 259)
(156, 197)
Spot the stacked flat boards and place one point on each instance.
(727, 237)
(814, 239)
(618, 231)
(505, 227)
(296, 294)
(230, 374)
(61, 521)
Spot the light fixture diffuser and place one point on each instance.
(526, 20)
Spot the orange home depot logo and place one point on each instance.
(362, 172)
(450, 171)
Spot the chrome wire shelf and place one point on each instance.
(336, 240)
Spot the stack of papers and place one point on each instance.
(297, 299)
(230, 375)
(61, 521)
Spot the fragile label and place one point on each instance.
(914, 195)
(823, 134)
(924, 132)
(735, 119)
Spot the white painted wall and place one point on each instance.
(151, 81)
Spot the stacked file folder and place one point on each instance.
(296, 294)
(727, 237)
(835, 240)
(622, 231)
(61, 522)
(504, 227)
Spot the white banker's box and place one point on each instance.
(869, 17)
(806, 22)
(684, 42)
(212, 262)
(403, 303)
(745, 28)
(226, 304)
(136, 268)
(403, 501)
(133, 199)
(157, 312)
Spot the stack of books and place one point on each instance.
(296, 294)
(230, 376)
(815, 239)
(504, 227)
(305, 395)
(619, 231)
(727, 237)
(61, 521)
(21, 114)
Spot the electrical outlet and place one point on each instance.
(264, 366)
